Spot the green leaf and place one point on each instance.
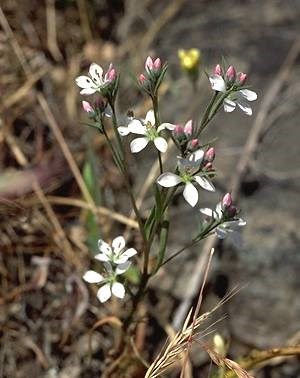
(158, 202)
(161, 77)
(150, 221)
(89, 177)
(163, 239)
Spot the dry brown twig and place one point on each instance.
(51, 31)
(264, 356)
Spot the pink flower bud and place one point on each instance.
(111, 74)
(231, 73)
(87, 107)
(210, 154)
(142, 78)
(231, 211)
(157, 64)
(241, 78)
(208, 166)
(149, 64)
(218, 70)
(178, 131)
(227, 201)
(194, 143)
(188, 128)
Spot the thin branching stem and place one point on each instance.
(125, 173)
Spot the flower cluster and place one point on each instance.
(194, 165)
(150, 133)
(189, 59)
(225, 215)
(231, 84)
(184, 138)
(97, 81)
(115, 259)
(190, 169)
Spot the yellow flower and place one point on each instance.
(189, 59)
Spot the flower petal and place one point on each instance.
(136, 127)
(121, 259)
(130, 252)
(88, 91)
(118, 290)
(96, 73)
(104, 293)
(204, 183)
(138, 144)
(123, 131)
(217, 83)
(245, 107)
(118, 244)
(207, 211)
(190, 194)
(221, 233)
(125, 256)
(219, 211)
(84, 82)
(161, 144)
(168, 179)
(150, 117)
(229, 105)
(102, 257)
(196, 156)
(235, 224)
(121, 268)
(249, 95)
(104, 247)
(168, 126)
(92, 277)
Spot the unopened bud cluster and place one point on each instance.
(151, 79)
(230, 76)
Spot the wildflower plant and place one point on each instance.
(192, 171)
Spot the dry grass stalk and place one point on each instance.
(235, 368)
(196, 313)
(172, 352)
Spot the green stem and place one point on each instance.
(115, 154)
(212, 109)
(197, 239)
(157, 123)
(125, 172)
(206, 113)
(164, 208)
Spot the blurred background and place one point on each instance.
(58, 180)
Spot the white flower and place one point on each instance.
(95, 81)
(115, 254)
(238, 98)
(188, 169)
(109, 284)
(228, 226)
(148, 130)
